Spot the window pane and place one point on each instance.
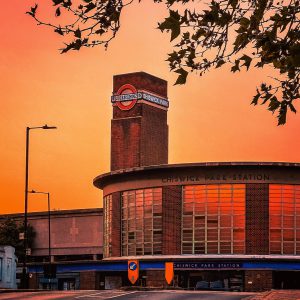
(215, 216)
(284, 209)
(142, 222)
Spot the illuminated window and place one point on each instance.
(107, 205)
(142, 222)
(213, 219)
(284, 207)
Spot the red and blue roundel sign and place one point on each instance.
(133, 271)
(126, 97)
(132, 266)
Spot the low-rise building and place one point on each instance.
(76, 246)
(8, 263)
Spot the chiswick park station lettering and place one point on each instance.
(207, 265)
(216, 177)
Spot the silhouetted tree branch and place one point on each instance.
(243, 33)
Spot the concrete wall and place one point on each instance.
(73, 233)
(8, 263)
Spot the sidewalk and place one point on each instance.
(277, 295)
(18, 290)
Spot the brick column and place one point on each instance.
(155, 278)
(88, 280)
(172, 211)
(33, 281)
(116, 224)
(257, 218)
(258, 280)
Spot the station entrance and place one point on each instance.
(286, 280)
(229, 280)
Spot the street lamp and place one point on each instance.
(24, 275)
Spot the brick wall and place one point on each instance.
(88, 280)
(154, 136)
(257, 218)
(155, 278)
(33, 281)
(257, 280)
(125, 143)
(116, 224)
(171, 220)
(143, 81)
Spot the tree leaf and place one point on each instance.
(233, 3)
(57, 12)
(274, 104)
(292, 107)
(182, 77)
(57, 2)
(247, 61)
(255, 99)
(282, 114)
(236, 66)
(77, 33)
(171, 23)
(89, 7)
(241, 41)
(59, 31)
(32, 11)
(220, 63)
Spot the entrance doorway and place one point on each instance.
(66, 284)
(211, 280)
(286, 280)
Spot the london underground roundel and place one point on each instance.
(132, 266)
(126, 97)
(133, 271)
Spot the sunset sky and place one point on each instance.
(210, 118)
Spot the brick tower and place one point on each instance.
(139, 130)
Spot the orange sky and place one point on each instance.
(210, 118)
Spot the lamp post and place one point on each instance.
(49, 225)
(24, 273)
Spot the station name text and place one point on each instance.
(216, 177)
(212, 265)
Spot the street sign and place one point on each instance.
(133, 271)
(169, 272)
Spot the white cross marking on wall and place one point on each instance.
(73, 230)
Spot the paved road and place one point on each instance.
(124, 295)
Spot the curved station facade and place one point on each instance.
(223, 225)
